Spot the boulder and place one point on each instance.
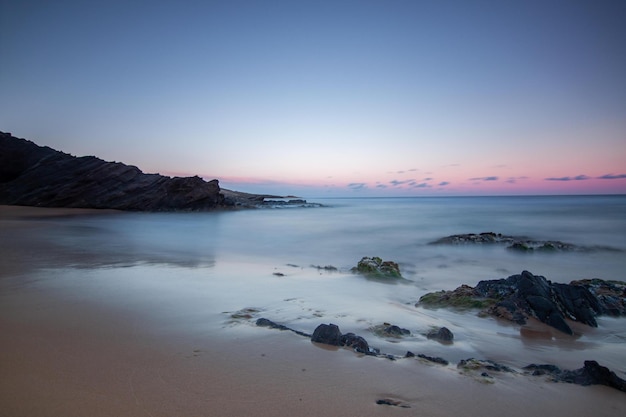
(592, 373)
(441, 334)
(525, 295)
(375, 267)
(389, 330)
(328, 334)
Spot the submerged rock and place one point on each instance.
(441, 334)
(519, 297)
(263, 322)
(389, 330)
(434, 359)
(515, 243)
(592, 373)
(375, 267)
(472, 364)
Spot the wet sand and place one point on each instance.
(67, 355)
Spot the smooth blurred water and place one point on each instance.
(197, 266)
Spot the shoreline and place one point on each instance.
(74, 345)
(71, 358)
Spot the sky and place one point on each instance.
(328, 98)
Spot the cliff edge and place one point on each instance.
(32, 175)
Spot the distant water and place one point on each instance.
(204, 264)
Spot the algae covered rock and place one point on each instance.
(525, 295)
(375, 267)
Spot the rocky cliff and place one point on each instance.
(33, 175)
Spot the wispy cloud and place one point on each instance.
(428, 179)
(576, 178)
(484, 179)
(513, 180)
(381, 186)
(395, 183)
(612, 177)
(356, 186)
(422, 185)
(444, 183)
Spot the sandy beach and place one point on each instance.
(77, 352)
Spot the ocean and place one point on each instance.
(217, 272)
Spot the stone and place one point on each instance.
(592, 373)
(328, 334)
(355, 342)
(442, 334)
(375, 267)
(435, 359)
(263, 322)
(526, 295)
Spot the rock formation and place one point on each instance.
(32, 175)
(376, 268)
(519, 297)
(516, 243)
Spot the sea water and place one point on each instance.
(200, 271)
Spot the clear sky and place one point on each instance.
(328, 98)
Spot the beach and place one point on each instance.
(84, 335)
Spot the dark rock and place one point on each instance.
(263, 322)
(375, 267)
(544, 369)
(328, 334)
(355, 342)
(391, 402)
(409, 354)
(329, 268)
(442, 334)
(610, 295)
(519, 297)
(462, 297)
(591, 373)
(434, 359)
(389, 330)
(477, 364)
(394, 330)
(516, 243)
(520, 247)
(31, 175)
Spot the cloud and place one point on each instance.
(422, 185)
(576, 178)
(395, 183)
(381, 186)
(513, 180)
(612, 177)
(356, 186)
(428, 179)
(484, 179)
(444, 183)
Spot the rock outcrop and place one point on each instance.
(33, 175)
(517, 243)
(375, 267)
(592, 373)
(519, 297)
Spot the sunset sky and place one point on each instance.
(328, 98)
